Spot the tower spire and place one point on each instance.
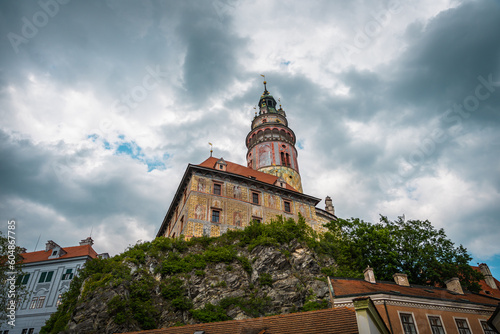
(265, 83)
(271, 143)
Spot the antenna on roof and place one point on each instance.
(211, 149)
(34, 250)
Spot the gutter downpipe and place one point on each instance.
(330, 289)
(388, 319)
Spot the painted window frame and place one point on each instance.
(259, 196)
(412, 317)
(488, 331)
(23, 279)
(285, 202)
(466, 321)
(46, 276)
(219, 216)
(68, 275)
(440, 319)
(41, 302)
(257, 219)
(33, 303)
(217, 185)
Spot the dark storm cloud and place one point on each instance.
(211, 60)
(446, 58)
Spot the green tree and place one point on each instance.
(10, 271)
(413, 247)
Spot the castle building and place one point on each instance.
(47, 274)
(218, 195)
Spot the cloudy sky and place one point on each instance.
(395, 105)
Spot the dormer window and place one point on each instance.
(54, 253)
(221, 165)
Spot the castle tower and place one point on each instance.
(271, 143)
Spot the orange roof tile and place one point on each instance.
(357, 287)
(244, 171)
(75, 251)
(486, 289)
(337, 320)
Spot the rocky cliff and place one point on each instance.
(243, 274)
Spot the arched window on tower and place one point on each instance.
(287, 159)
(283, 161)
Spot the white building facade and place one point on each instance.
(47, 275)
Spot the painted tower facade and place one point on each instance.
(271, 143)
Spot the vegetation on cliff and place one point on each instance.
(265, 269)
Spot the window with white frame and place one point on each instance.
(462, 326)
(68, 275)
(436, 324)
(22, 280)
(408, 323)
(41, 300)
(46, 276)
(486, 328)
(33, 303)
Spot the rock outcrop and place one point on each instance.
(163, 285)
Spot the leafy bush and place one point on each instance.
(245, 263)
(210, 313)
(220, 254)
(266, 279)
(172, 289)
(182, 303)
(315, 305)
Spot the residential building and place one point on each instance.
(412, 309)
(47, 275)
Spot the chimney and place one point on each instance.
(369, 275)
(453, 285)
(87, 241)
(51, 245)
(401, 279)
(329, 206)
(488, 277)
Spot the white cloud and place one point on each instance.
(359, 118)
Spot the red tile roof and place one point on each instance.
(244, 171)
(338, 320)
(76, 251)
(355, 287)
(486, 290)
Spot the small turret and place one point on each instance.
(329, 206)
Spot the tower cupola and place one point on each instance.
(271, 143)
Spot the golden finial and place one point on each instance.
(211, 149)
(265, 82)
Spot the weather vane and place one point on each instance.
(211, 149)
